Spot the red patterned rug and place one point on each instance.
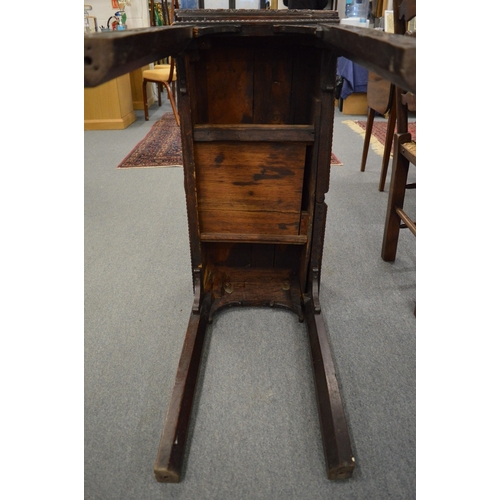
(379, 129)
(162, 147)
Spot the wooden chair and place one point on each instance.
(164, 75)
(405, 149)
(380, 96)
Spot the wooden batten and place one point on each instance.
(252, 133)
(284, 239)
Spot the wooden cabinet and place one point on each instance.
(136, 83)
(109, 106)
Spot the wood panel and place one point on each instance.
(227, 254)
(262, 84)
(252, 286)
(230, 85)
(255, 176)
(249, 226)
(246, 255)
(252, 189)
(272, 101)
(304, 84)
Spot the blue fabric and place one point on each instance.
(189, 4)
(355, 77)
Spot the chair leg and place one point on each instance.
(172, 102)
(159, 94)
(368, 133)
(399, 176)
(145, 99)
(389, 136)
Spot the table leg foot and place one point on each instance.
(336, 442)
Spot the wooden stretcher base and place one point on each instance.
(336, 443)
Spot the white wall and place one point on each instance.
(137, 12)
(341, 8)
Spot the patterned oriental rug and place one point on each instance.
(162, 147)
(379, 129)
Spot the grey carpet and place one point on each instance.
(256, 432)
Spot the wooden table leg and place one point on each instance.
(168, 465)
(336, 441)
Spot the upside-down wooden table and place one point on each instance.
(255, 97)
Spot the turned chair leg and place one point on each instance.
(399, 176)
(159, 93)
(172, 102)
(389, 136)
(171, 96)
(145, 99)
(368, 133)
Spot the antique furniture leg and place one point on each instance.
(380, 95)
(336, 443)
(399, 177)
(368, 134)
(162, 77)
(170, 455)
(391, 123)
(145, 100)
(172, 102)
